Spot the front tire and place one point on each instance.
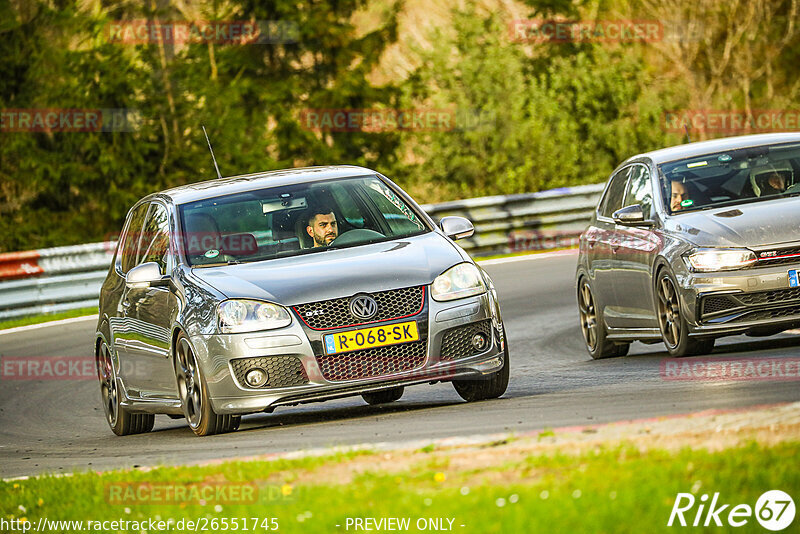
(487, 388)
(193, 392)
(384, 396)
(121, 421)
(673, 325)
(594, 333)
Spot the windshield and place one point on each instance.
(731, 177)
(295, 219)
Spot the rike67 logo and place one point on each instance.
(774, 510)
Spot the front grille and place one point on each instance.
(373, 362)
(335, 313)
(457, 342)
(770, 297)
(784, 256)
(283, 371)
(717, 304)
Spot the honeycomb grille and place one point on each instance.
(717, 304)
(457, 342)
(335, 313)
(372, 362)
(793, 252)
(283, 371)
(770, 297)
(775, 313)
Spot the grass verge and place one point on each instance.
(617, 487)
(47, 317)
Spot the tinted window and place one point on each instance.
(129, 244)
(731, 177)
(639, 190)
(154, 245)
(615, 193)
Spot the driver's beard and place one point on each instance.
(319, 240)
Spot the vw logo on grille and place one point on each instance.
(363, 307)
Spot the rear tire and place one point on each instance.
(487, 388)
(193, 392)
(121, 421)
(594, 333)
(673, 325)
(384, 396)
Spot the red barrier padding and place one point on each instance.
(19, 264)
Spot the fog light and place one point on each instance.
(479, 342)
(256, 378)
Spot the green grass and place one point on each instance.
(44, 318)
(609, 489)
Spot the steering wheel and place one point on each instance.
(355, 236)
(793, 189)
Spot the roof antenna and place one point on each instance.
(212, 151)
(685, 127)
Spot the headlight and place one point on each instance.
(251, 315)
(463, 280)
(709, 260)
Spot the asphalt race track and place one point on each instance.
(58, 425)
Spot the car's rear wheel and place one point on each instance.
(193, 392)
(121, 421)
(384, 396)
(594, 333)
(486, 388)
(673, 325)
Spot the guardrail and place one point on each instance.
(65, 278)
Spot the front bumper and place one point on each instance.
(758, 299)
(293, 353)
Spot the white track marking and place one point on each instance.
(49, 323)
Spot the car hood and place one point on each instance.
(337, 273)
(767, 222)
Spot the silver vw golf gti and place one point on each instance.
(237, 295)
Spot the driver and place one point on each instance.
(322, 226)
(678, 194)
(773, 180)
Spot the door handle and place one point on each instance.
(591, 242)
(614, 247)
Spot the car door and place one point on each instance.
(125, 260)
(601, 242)
(148, 312)
(634, 255)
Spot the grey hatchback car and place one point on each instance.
(237, 295)
(691, 243)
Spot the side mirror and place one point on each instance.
(146, 275)
(631, 216)
(456, 227)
